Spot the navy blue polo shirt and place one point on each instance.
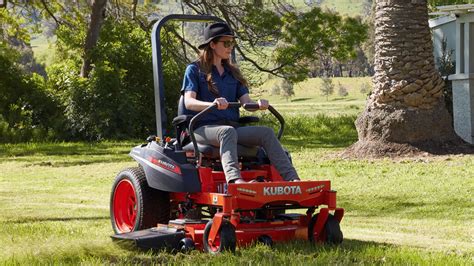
(229, 88)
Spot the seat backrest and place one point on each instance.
(181, 106)
(181, 123)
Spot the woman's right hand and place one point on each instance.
(222, 103)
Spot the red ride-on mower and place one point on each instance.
(178, 198)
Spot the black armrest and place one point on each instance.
(181, 119)
(248, 119)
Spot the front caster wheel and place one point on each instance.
(186, 245)
(331, 233)
(225, 239)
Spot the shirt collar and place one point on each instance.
(226, 69)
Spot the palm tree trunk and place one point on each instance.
(406, 105)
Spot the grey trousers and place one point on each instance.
(227, 137)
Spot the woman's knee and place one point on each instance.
(227, 132)
(266, 132)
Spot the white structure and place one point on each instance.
(457, 25)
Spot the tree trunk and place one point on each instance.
(97, 18)
(405, 111)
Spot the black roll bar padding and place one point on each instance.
(251, 106)
(231, 105)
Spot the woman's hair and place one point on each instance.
(206, 60)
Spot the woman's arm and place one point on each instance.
(196, 105)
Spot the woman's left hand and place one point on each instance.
(263, 104)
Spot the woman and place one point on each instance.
(213, 79)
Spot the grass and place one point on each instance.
(43, 49)
(344, 7)
(54, 199)
(309, 101)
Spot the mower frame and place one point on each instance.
(244, 213)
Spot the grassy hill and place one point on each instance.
(308, 99)
(344, 7)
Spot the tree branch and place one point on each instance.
(50, 13)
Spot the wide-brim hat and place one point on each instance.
(215, 30)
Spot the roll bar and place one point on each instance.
(158, 81)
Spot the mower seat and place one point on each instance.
(181, 123)
(212, 152)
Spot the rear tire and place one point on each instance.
(134, 205)
(331, 233)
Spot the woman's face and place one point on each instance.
(219, 47)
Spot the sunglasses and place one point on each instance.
(229, 43)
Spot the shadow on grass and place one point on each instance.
(348, 245)
(55, 219)
(64, 148)
(346, 99)
(319, 131)
(300, 99)
(89, 161)
(290, 253)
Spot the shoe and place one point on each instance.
(238, 181)
(295, 180)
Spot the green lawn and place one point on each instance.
(55, 205)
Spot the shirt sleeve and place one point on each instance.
(241, 90)
(191, 79)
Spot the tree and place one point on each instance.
(327, 87)
(300, 37)
(342, 91)
(286, 89)
(405, 110)
(275, 90)
(92, 36)
(102, 75)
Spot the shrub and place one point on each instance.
(117, 100)
(342, 91)
(28, 111)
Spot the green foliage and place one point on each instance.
(327, 87)
(265, 23)
(432, 4)
(117, 100)
(446, 67)
(275, 90)
(12, 25)
(445, 62)
(286, 89)
(309, 35)
(27, 110)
